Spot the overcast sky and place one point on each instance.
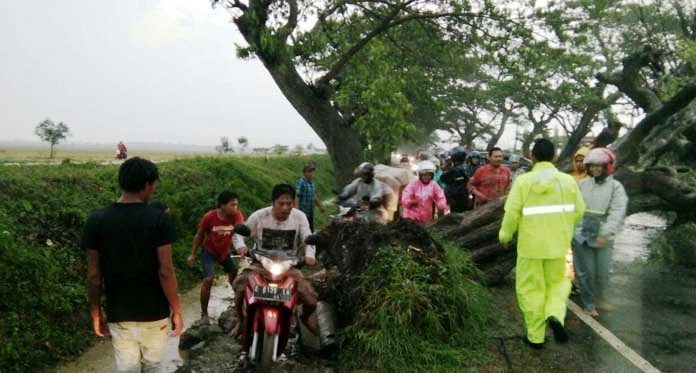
(136, 70)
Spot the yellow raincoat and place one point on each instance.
(543, 208)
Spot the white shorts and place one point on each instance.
(136, 341)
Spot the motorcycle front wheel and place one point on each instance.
(264, 353)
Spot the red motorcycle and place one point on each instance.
(270, 298)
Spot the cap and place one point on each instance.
(308, 168)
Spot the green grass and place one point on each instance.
(41, 155)
(412, 322)
(43, 301)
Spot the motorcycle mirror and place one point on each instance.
(242, 230)
(312, 239)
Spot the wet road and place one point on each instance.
(99, 358)
(655, 306)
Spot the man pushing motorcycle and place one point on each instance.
(279, 227)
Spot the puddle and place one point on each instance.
(99, 358)
(638, 231)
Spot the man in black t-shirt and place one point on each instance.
(129, 254)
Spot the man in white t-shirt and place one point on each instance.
(281, 227)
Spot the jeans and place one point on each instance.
(135, 342)
(592, 266)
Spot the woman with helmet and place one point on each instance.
(606, 202)
(420, 196)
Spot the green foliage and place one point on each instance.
(675, 246)
(51, 133)
(41, 289)
(279, 149)
(43, 301)
(415, 320)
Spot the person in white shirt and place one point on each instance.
(281, 227)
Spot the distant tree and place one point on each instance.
(52, 133)
(279, 149)
(224, 146)
(311, 147)
(243, 142)
(298, 150)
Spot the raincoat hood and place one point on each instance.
(544, 178)
(577, 174)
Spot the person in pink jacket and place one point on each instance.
(420, 195)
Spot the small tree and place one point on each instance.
(279, 149)
(243, 142)
(52, 133)
(298, 150)
(224, 146)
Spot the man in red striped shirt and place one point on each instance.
(492, 180)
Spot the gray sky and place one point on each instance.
(136, 70)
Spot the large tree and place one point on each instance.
(365, 75)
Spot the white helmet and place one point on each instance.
(426, 166)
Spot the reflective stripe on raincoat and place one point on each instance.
(543, 207)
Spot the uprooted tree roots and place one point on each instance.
(351, 247)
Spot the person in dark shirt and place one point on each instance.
(129, 255)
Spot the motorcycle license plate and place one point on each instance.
(273, 294)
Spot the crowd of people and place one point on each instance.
(128, 242)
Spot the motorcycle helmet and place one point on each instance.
(602, 156)
(426, 167)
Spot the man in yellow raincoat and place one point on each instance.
(543, 207)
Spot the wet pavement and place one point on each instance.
(99, 358)
(655, 311)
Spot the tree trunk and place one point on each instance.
(493, 142)
(342, 142)
(51, 154)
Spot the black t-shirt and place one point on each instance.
(127, 236)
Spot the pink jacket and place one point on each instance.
(427, 195)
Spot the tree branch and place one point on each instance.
(289, 27)
(387, 23)
(343, 60)
(628, 80)
(628, 148)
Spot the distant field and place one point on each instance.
(40, 155)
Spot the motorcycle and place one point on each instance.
(270, 299)
(361, 211)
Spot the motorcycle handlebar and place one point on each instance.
(242, 230)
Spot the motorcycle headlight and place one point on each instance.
(276, 269)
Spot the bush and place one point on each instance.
(675, 246)
(414, 321)
(43, 299)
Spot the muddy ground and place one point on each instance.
(655, 315)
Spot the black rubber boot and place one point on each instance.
(559, 332)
